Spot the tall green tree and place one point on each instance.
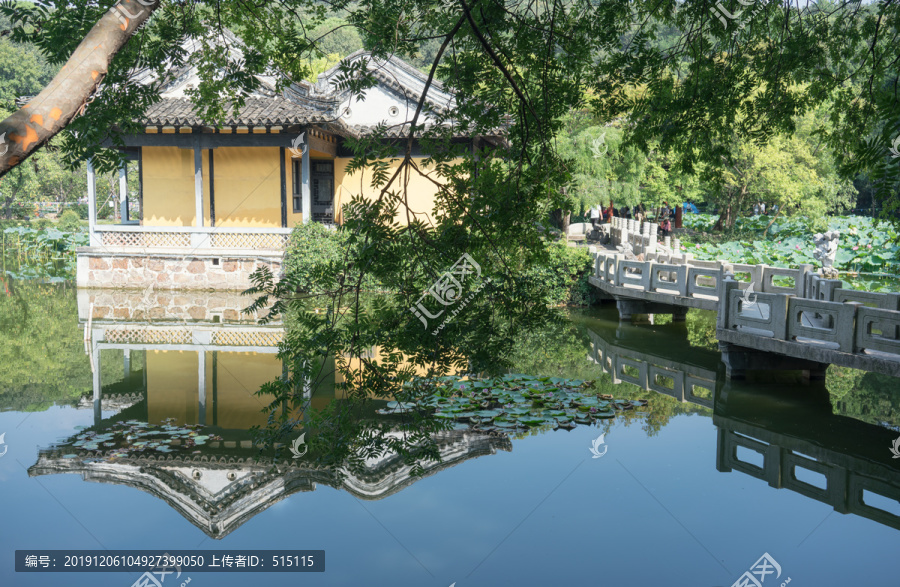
(794, 172)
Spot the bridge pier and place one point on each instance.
(628, 308)
(738, 360)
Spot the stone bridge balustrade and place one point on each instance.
(804, 325)
(813, 332)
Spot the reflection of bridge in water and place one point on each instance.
(204, 361)
(785, 435)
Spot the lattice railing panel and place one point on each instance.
(146, 239)
(147, 336)
(265, 338)
(247, 240)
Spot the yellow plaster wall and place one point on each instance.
(169, 186)
(421, 191)
(248, 187)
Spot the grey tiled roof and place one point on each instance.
(402, 131)
(257, 110)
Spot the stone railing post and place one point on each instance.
(848, 340)
(804, 281)
(726, 284)
(756, 277)
(647, 274)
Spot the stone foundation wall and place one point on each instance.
(121, 305)
(98, 268)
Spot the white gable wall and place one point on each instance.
(376, 108)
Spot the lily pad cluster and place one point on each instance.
(125, 438)
(511, 402)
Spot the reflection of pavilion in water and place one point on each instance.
(204, 363)
(786, 436)
(204, 359)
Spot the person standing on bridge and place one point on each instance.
(665, 227)
(595, 216)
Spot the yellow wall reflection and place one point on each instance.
(231, 383)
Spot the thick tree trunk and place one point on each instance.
(726, 218)
(66, 96)
(771, 222)
(560, 219)
(729, 212)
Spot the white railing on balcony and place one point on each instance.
(189, 237)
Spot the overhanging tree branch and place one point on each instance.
(30, 127)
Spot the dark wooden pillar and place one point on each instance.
(141, 183)
(212, 190)
(284, 211)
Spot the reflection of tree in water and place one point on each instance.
(42, 360)
(869, 397)
(347, 434)
(13, 308)
(560, 348)
(701, 330)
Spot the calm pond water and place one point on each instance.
(687, 492)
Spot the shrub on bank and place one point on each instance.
(316, 256)
(69, 221)
(564, 276)
(312, 248)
